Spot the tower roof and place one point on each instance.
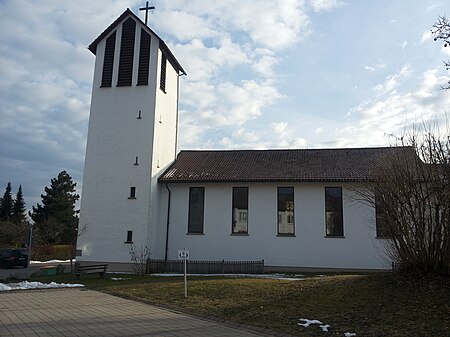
(162, 45)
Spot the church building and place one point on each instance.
(291, 208)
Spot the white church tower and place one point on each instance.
(132, 138)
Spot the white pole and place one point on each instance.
(185, 279)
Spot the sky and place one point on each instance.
(262, 74)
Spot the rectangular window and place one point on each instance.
(380, 216)
(333, 211)
(132, 193)
(144, 58)
(286, 223)
(126, 53)
(129, 237)
(196, 210)
(108, 60)
(162, 79)
(240, 210)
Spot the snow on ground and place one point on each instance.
(51, 261)
(307, 322)
(120, 278)
(266, 276)
(35, 285)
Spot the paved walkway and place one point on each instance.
(80, 312)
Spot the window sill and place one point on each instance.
(382, 238)
(334, 236)
(131, 197)
(128, 242)
(286, 235)
(195, 233)
(239, 234)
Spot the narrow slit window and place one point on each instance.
(129, 237)
(137, 161)
(132, 193)
(139, 114)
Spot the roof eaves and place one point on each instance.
(161, 179)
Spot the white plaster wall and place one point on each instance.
(115, 137)
(308, 248)
(164, 151)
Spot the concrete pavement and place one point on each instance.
(81, 312)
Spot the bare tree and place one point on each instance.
(139, 258)
(441, 31)
(411, 194)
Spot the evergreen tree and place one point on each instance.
(56, 220)
(18, 215)
(6, 204)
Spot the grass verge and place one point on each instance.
(369, 305)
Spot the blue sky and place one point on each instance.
(261, 74)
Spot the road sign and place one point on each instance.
(183, 254)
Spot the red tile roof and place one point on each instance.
(312, 165)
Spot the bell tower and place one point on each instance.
(132, 138)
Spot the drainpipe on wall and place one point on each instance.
(168, 222)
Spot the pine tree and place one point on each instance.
(56, 219)
(6, 204)
(18, 215)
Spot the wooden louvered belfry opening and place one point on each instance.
(108, 60)
(126, 53)
(162, 79)
(144, 58)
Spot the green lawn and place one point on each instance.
(369, 305)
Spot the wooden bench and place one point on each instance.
(90, 269)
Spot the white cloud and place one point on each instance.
(393, 110)
(426, 36)
(377, 66)
(392, 81)
(325, 5)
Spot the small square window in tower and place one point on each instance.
(144, 58)
(162, 80)
(126, 53)
(108, 60)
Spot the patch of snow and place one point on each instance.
(36, 285)
(51, 261)
(308, 322)
(325, 327)
(120, 278)
(349, 334)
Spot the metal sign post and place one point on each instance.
(183, 254)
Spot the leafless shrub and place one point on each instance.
(139, 257)
(411, 193)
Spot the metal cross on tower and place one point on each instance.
(146, 9)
